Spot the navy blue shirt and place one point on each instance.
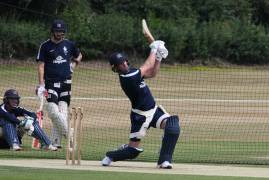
(57, 59)
(12, 115)
(136, 90)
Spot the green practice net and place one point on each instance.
(223, 112)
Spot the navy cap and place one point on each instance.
(58, 25)
(11, 93)
(117, 58)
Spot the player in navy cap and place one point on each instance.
(144, 113)
(57, 57)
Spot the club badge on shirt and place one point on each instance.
(65, 50)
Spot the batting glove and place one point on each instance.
(158, 56)
(162, 51)
(40, 90)
(72, 66)
(155, 45)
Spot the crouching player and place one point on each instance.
(145, 113)
(13, 129)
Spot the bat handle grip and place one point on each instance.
(150, 39)
(41, 103)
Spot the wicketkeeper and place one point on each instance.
(13, 129)
(57, 57)
(144, 113)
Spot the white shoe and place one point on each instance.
(165, 165)
(52, 148)
(56, 144)
(15, 147)
(106, 161)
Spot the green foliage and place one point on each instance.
(212, 10)
(232, 30)
(207, 40)
(20, 39)
(78, 17)
(112, 32)
(172, 10)
(249, 44)
(126, 7)
(260, 13)
(98, 34)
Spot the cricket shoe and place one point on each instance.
(106, 161)
(52, 148)
(15, 147)
(56, 144)
(165, 165)
(49, 148)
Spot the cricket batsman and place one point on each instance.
(57, 57)
(145, 113)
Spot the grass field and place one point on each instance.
(56, 169)
(223, 111)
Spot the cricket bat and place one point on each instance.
(39, 114)
(147, 32)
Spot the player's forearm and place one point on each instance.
(78, 59)
(150, 61)
(150, 67)
(156, 68)
(41, 73)
(23, 112)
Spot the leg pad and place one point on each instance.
(171, 134)
(123, 154)
(172, 125)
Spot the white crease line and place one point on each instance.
(163, 99)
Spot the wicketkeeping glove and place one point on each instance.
(27, 124)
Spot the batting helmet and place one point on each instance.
(117, 58)
(11, 94)
(58, 25)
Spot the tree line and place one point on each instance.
(235, 31)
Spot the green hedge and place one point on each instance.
(20, 39)
(187, 40)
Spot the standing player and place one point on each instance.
(145, 113)
(57, 57)
(9, 111)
